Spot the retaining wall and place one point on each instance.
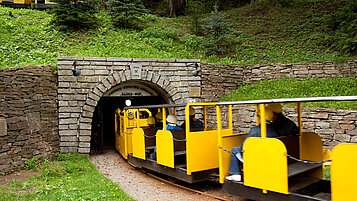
(28, 115)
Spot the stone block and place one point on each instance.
(88, 108)
(68, 144)
(101, 72)
(119, 59)
(87, 72)
(69, 149)
(84, 138)
(342, 137)
(116, 77)
(3, 127)
(68, 132)
(83, 150)
(68, 138)
(106, 84)
(84, 126)
(85, 132)
(84, 144)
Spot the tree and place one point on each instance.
(125, 13)
(176, 7)
(218, 31)
(74, 14)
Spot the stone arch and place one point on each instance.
(87, 110)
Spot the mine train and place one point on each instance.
(282, 168)
(34, 4)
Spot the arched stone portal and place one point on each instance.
(78, 96)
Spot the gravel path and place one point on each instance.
(141, 186)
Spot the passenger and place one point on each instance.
(158, 118)
(281, 124)
(194, 123)
(171, 125)
(236, 153)
(151, 121)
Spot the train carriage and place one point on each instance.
(190, 155)
(288, 167)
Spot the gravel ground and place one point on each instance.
(141, 186)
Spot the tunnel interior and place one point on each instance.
(103, 122)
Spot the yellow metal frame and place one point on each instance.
(226, 140)
(343, 172)
(123, 141)
(265, 164)
(201, 147)
(138, 143)
(311, 150)
(165, 148)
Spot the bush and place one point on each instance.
(125, 13)
(73, 15)
(220, 42)
(342, 28)
(163, 33)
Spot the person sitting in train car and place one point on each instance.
(194, 123)
(236, 152)
(151, 121)
(280, 123)
(172, 123)
(158, 120)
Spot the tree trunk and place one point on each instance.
(176, 8)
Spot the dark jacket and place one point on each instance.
(285, 126)
(256, 132)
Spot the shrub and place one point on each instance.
(342, 28)
(125, 13)
(218, 31)
(163, 33)
(73, 14)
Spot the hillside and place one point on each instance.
(263, 34)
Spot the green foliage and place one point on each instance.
(327, 174)
(126, 13)
(26, 38)
(72, 177)
(74, 14)
(31, 164)
(218, 31)
(342, 28)
(262, 35)
(297, 88)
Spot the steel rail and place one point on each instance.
(177, 185)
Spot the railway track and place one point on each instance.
(214, 188)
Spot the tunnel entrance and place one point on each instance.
(103, 121)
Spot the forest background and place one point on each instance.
(239, 32)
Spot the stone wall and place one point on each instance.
(218, 79)
(28, 115)
(333, 126)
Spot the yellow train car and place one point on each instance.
(285, 167)
(34, 4)
(125, 122)
(188, 154)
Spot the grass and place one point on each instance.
(296, 88)
(264, 34)
(70, 177)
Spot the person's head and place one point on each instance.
(192, 112)
(158, 116)
(269, 115)
(276, 108)
(171, 120)
(151, 121)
